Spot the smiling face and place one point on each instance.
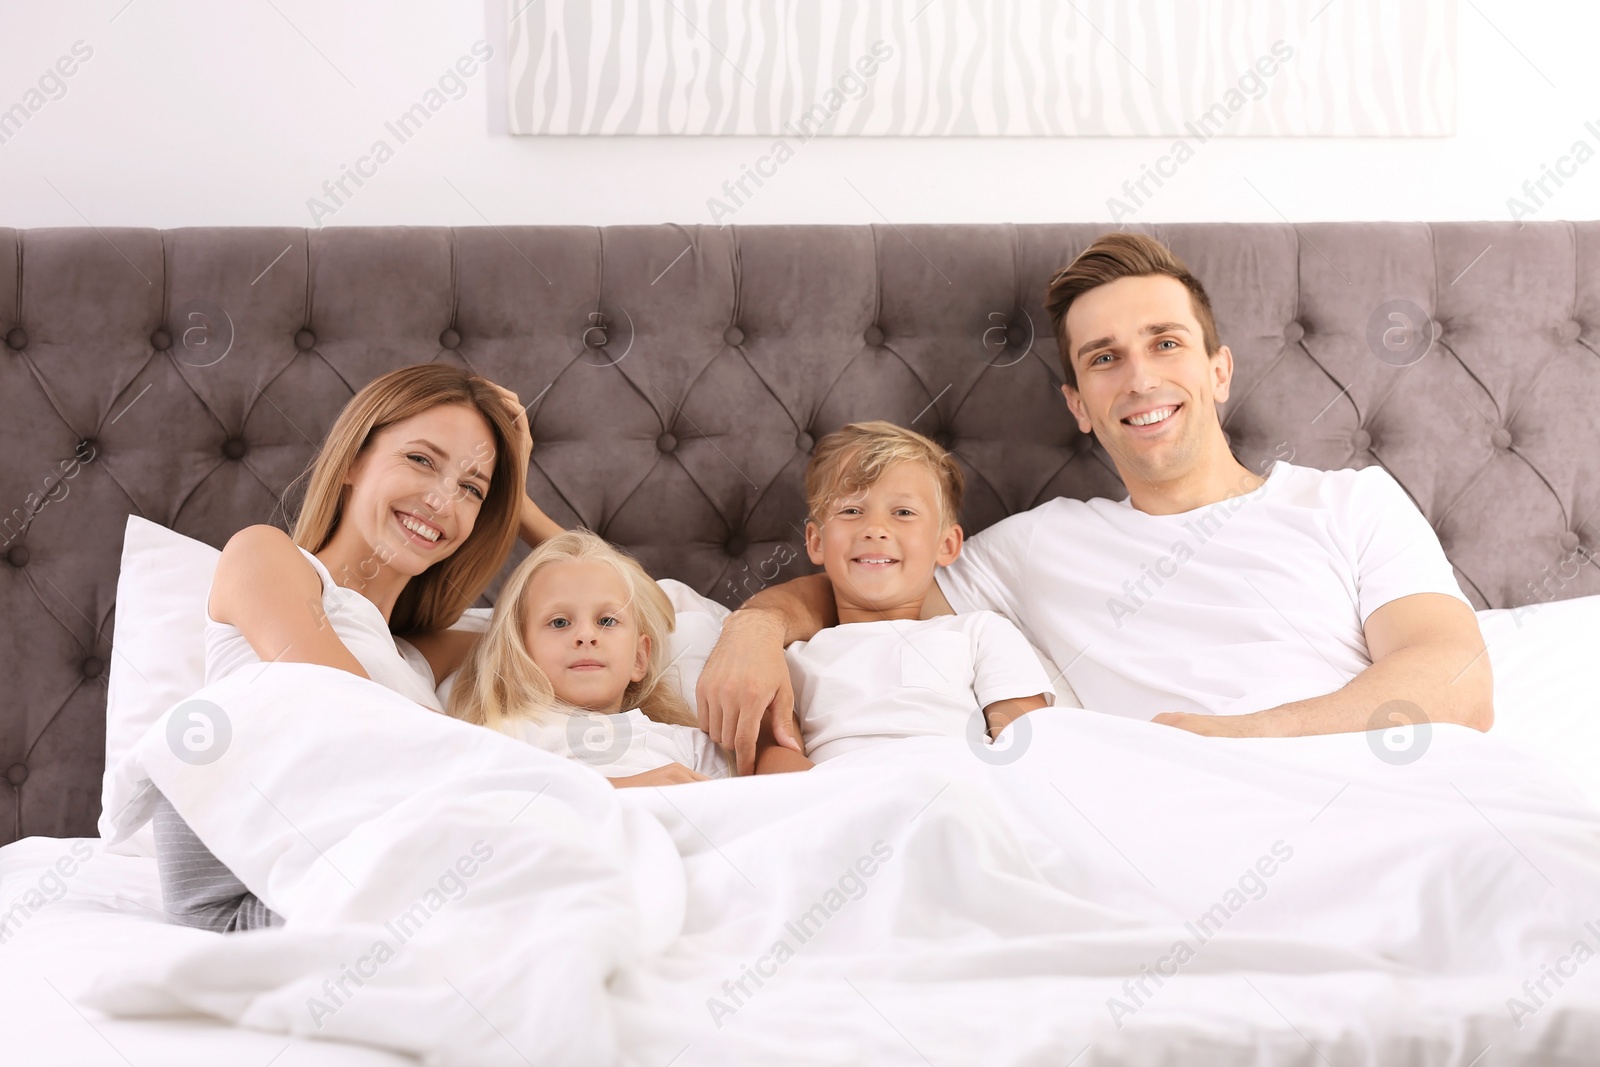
(414, 492)
(578, 625)
(880, 547)
(1146, 386)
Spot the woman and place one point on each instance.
(412, 506)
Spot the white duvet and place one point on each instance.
(1102, 887)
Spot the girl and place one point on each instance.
(412, 505)
(574, 662)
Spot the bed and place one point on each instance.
(677, 379)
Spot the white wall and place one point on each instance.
(234, 112)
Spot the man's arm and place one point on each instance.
(746, 677)
(1426, 650)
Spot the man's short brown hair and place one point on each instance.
(1112, 257)
(852, 459)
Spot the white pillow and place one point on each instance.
(158, 654)
(1547, 683)
(699, 624)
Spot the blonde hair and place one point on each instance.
(435, 598)
(852, 459)
(500, 683)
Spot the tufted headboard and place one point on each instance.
(679, 376)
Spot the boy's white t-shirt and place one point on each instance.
(1239, 606)
(624, 744)
(865, 682)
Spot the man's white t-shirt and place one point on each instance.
(624, 744)
(863, 683)
(1235, 607)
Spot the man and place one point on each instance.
(1213, 599)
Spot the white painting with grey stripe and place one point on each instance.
(1006, 68)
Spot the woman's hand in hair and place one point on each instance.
(519, 417)
(670, 774)
(535, 527)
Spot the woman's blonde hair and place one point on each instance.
(435, 598)
(500, 683)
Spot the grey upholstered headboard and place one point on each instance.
(680, 375)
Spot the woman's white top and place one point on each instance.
(357, 622)
(623, 744)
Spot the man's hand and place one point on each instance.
(1427, 654)
(1214, 725)
(746, 680)
(670, 774)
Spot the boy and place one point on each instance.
(883, 508)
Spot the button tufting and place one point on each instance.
(17, 773)
(733, 335)
(944, 439)
(1293, 332)
(87, 449)
(161, 340)
(1016, 334)
(666, 442)
(736, 545)
(1570, 541)
(1084, 443)
(304, 340)
(1361, 441)
(1501, 438)
(17, 339)
(92, 666)
(234, 448)
(804, 441)
(450, 339)
(874, 335)
(17, 555)
(1570, 330)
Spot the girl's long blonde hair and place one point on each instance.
(500, 683)
(435, 598)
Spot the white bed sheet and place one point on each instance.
(109, 916)
(912, 1010)
(107, 919)
(909, 1011)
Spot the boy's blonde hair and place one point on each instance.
(500, 683)
(852, 459)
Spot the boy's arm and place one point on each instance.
(1003, 713)
(773, 758)
(746, 679)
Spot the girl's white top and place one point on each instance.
(624, 744)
